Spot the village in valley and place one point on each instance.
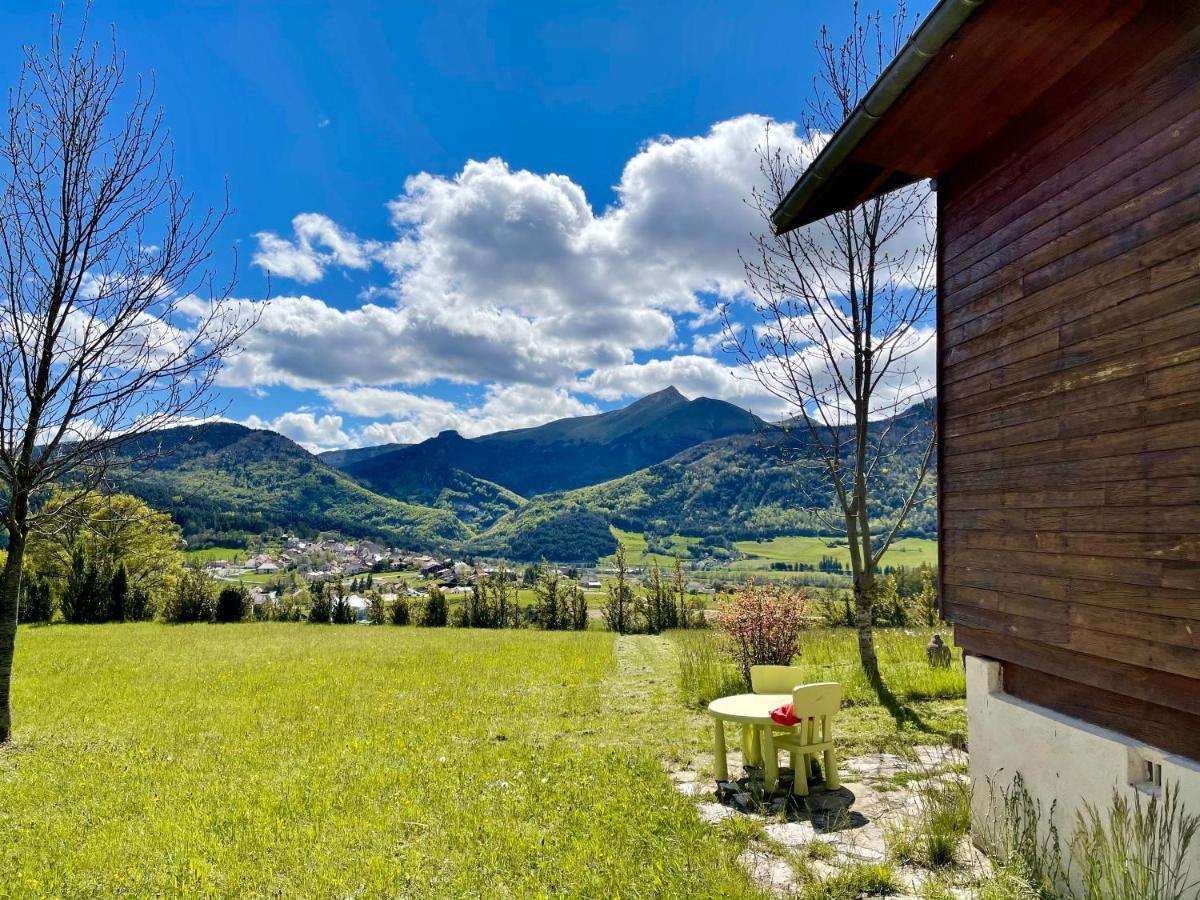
(361, 567)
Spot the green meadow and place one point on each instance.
(908, 552)
(322, 761)
(296, 760)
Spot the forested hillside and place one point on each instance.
(744, 487)
(222, 482)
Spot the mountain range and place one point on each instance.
(664, 464)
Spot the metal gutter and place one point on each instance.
(928, 40)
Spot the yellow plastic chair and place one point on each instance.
(767, 680)
(775, 679)
(815, 705)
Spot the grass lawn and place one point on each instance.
(636, 554)
(904, 552)
(230, 554)
(302, 760)
(933, 699)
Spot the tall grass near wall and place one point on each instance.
(826, 654)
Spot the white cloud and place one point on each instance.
(507, 275)
(414, 417)
(498, 276)
(707, 343)
(312, 432)
(318, 242)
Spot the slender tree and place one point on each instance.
(619, 602)
(113, 324)
(841, 315)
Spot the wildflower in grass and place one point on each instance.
(761, 624)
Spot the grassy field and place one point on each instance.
(759, 555)
(637, 555)
(809, 550)
(300, 760)
(229, 554)
(933, 698)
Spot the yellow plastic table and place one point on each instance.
(753, 713)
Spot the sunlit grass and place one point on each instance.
(936, 697)
(831, 654)
(909, 552)
(229, 554)
(301, 760)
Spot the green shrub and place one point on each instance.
(761, 624)
(342, 613)
(320, 611)
(118, 595)
(436, 611)
(233, 604)
(193, 597)
(400, 611)
(37, 602)
(377, 611)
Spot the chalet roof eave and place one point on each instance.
(797, 208)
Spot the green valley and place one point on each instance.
(749, 496)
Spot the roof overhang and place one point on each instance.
(971, 67)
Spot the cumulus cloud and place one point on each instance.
(413, 417)
(317, 243)
(512, 276)
(315, 433)
(499, 276)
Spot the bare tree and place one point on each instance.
(112, 324)
(841, 313)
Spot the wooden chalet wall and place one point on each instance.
(1069, 328)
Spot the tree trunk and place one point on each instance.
(10, 595)
(866, 635)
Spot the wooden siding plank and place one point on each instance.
(1147, 573)
(1086, 423)
(999, 318)
(1147, 152)
(1151, 59)
(1181, 603)
(1175, 434)
(1138, 545)
(1167, 354)
(1153, 493)
(1179, 632)
(1139, 652)
(1140, 322)
(1110, 519)
(1084, 472)
(1174, 691)
(1042, 330)
(1138, 186)
(1160, 726)
(1157, 379)
(1071, 272)
(1032, 317)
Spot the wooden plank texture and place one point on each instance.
(1069, 387)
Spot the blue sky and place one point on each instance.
(508, 212)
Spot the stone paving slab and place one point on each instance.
(858, 837)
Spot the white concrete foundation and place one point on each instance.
(1061, 758)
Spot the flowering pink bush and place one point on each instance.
(761, 624)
